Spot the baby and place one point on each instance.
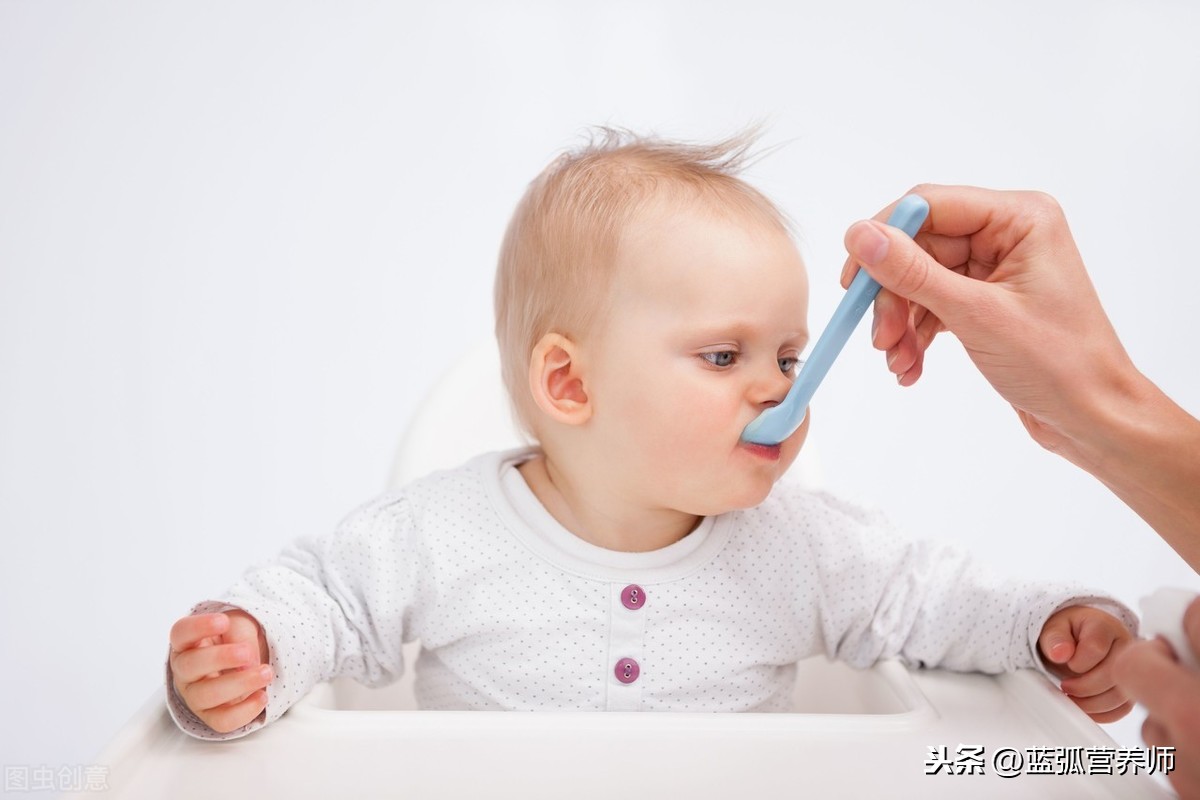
(649, 304)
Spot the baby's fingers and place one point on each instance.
(1104, 703)
(1057, 643)
(1105, 717)
(192, 665)
(226, 718)
(1097, 636)
(210, 693)
(192, 631)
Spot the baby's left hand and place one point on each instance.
(1079, 645)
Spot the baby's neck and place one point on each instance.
(596, 514)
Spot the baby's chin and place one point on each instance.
(729, 498)
(750, 499)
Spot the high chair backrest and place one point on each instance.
(467, 412)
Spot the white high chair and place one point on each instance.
(854, 734)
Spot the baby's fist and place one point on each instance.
(1079, 645)
(218, 662)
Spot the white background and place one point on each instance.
(240, 240)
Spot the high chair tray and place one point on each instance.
(858, 733)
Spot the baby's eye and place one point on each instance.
(789, 365)
(721, 358)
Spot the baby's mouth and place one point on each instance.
(769, 452)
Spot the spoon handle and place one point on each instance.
(781, 421)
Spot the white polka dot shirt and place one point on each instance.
(515, 612)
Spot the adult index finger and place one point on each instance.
(956, 215)
(191, 630)
(967, 210)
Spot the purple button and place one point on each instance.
(627, 670)
(633, 597)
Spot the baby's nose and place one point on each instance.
(771, 388)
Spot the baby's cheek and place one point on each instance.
(711, 424)
(675, 423)
(794, 443)
(788, 457)
(653, 427)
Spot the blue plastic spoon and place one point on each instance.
(779, 422)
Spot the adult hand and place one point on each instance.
(1001, 271)
(1148, 672)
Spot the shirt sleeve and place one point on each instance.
(929, 603)
(334, 606)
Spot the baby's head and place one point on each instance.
(649, 304)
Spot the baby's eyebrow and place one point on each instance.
(736, 330)
(744, 329)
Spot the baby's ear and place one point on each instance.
(556, 380)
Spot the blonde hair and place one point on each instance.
(557, 258)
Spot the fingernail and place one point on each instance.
(891, 358)
(866, 243)
(265, 671)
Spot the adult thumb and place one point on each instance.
(901, 266)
